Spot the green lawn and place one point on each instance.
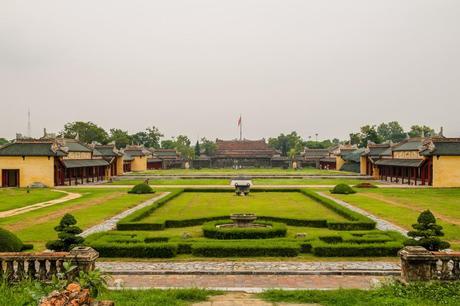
(200, 181)
(191, 205)
(265, 171)
(95, 206)
(402, 207)
(12, 198)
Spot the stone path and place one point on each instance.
(13, 212)
(230, 187)
(241, 299)
(251, 268)
(111, 223)
(246, 283)
(381, 224)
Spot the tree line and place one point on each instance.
(287, 144)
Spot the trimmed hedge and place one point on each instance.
(9, 242)
(355, 250)
(276, 230)
(357, 221)
(342, 189)
(142, 188)
(131, 222)
(246, 249)
(137, 250)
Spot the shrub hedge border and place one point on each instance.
(356, 220)
(210, 230)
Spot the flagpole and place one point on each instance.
(241, 128)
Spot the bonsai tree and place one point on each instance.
(141, 189)
(342, 189)
(426, 233)
(67, 234)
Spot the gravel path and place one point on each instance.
(251, 268)
(381, 224)
(13, 212)
(111, 223)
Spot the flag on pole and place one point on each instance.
(239, 121)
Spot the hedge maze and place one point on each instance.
(156, 232)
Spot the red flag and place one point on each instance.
(239, 121)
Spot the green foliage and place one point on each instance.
(421, 130)
(3, 141)
(209, 146)
(142, 188)
(392, 131)
(67, 234)
(285, 143)
(9, 242)
(342, 189)
(120, 137)
(392, 293)
(86, 131)
(246, 249)
(369, 134)
(93, 280)
(274, 230)
(135, 250)
(197, 149)
(426, 233)
(356, 250)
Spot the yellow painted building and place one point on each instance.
(135, 159)
(24, 171)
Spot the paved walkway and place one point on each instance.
(251, 268)
(111, 223)
(381, 224)
(230, 187)
(241, 299)
(13, 212)
(246, 283)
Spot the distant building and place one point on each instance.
(135, 159)
(110, 154)
(164, 159)
(242, 153)
(52, 162)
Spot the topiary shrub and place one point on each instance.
(342, 189)
(9, 242)
(67, 234)
(142, 188)
(426, 233)
(366, 185)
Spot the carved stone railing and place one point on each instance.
(42, 266)
(419, 264)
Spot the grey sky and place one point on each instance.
(190, 67)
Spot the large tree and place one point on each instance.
(391, 131)
(168, 144)
(369, 134)
(87, 132)
(421, 130)
(209, 146)
(285, 143)
(120, 137)
(197, 149)
(3, 141)
(153, 137)
(182, 144)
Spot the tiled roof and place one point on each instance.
(411, 144)
(328, 160)
(74, 145)
(106, 151)
(414, 163)
(443, 147)
(243, 148)
(30, 149)
(378, 150)
(134, 151)
(78, 163)
(315, 153)
(354, 155)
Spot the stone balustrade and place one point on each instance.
(419, 264)
(42, 266)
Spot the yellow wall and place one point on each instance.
(120, 165)
(31, 169)
(376, 172)
(363, 165)
(339, 162)
(446, 171)
(139, 164)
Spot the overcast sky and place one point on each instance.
(191, 67)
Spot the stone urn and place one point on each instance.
(243, 220)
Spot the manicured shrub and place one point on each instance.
(67, 234)
(366, 185)
(342, 189)
(9, 242)
(142, 188)
(426, 233)
(210, 230)
(135, 250)
(246, 249)
(355, 250)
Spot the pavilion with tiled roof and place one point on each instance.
(242, 153)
